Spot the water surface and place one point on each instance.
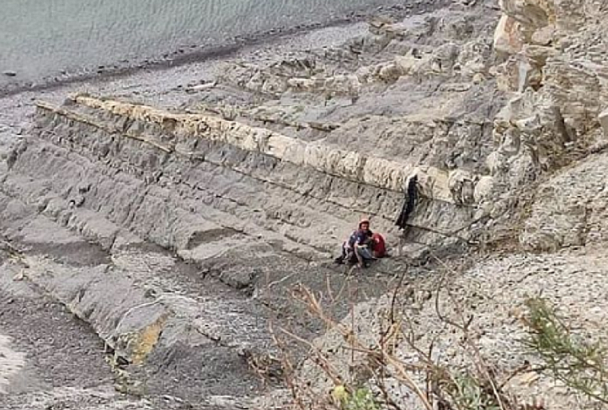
(39, 38)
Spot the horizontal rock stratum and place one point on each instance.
(243, 171)
(434, 183)
(179, 214)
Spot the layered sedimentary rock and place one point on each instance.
(257, 175)
(215, 176)
(545, 182)
(556, 67)
(254, 179)
(176, 222)
(179, 152)
(182, 132)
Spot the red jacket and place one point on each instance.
(379, 245)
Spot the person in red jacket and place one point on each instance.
(379, 246)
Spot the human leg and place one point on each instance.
(340, 259)
(363, 254)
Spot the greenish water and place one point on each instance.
(39, 38)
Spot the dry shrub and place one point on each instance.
(434, 386)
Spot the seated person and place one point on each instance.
(379, 246)
(359, 247)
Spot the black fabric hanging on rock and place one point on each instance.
(409, 203)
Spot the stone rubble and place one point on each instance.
(176, 222)
(549, 149)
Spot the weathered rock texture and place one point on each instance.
(254, 179)
(549, 158)
(556, 67)
(177, 223)
(190, 155)
(187, 128)
(492, 293)
(225, 185)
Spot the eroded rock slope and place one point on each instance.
(246, 186)
(175, 223)
(545, 186)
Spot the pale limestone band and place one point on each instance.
(387, 174)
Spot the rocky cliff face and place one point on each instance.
(176, 221)
(544, 186)
(247, 183)
(273, 148)
(556, 68)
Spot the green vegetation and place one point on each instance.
(474, 384)
(579, 364)
(361, 399)
(467, 394)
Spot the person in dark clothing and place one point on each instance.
(358, 247)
